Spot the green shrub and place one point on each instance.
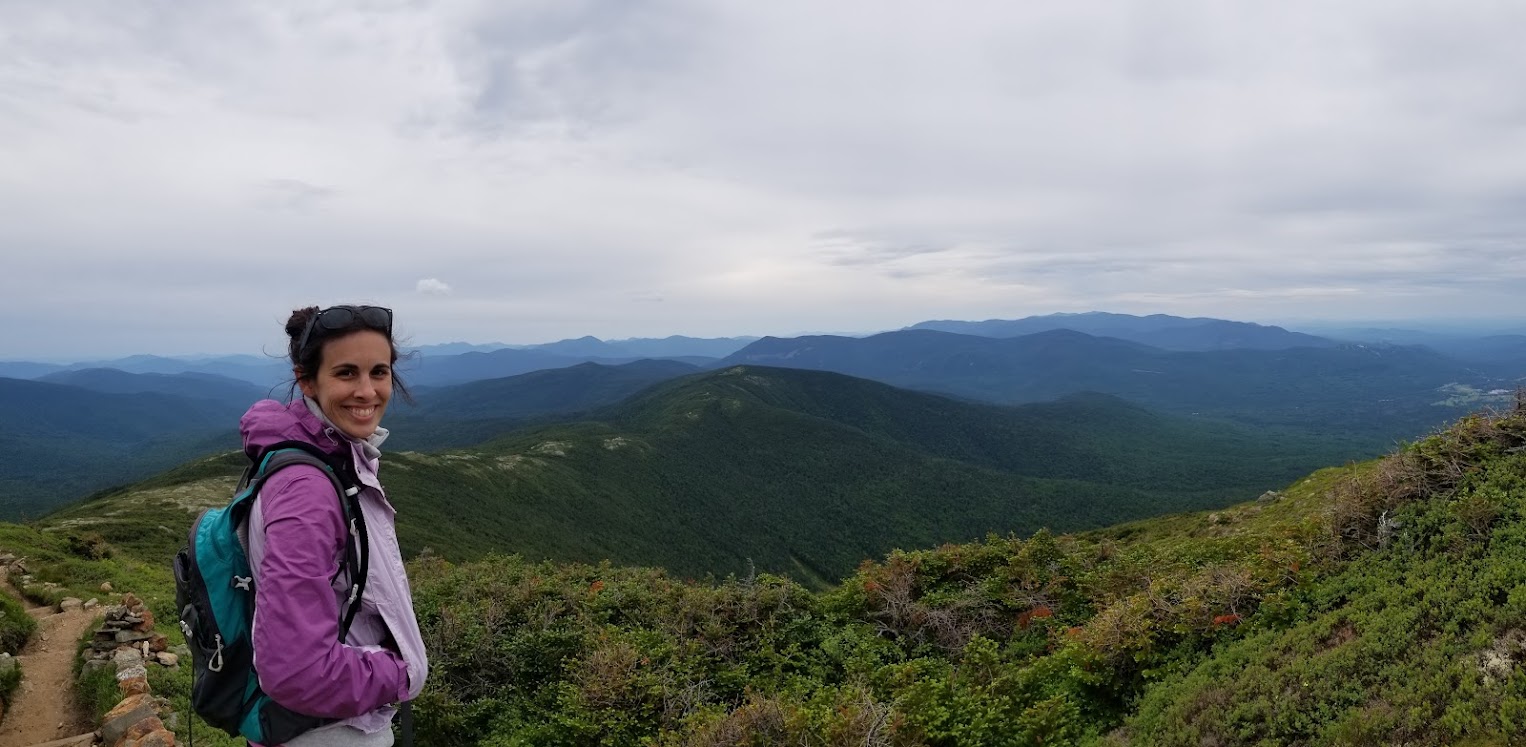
(16, 626)
(89, 545)
(9, 681)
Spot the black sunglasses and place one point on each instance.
(335, 318)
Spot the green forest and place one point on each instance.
(799, 473)
(1377, 603)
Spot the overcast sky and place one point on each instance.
(176, 176)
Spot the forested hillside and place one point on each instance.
(1378, 603)
(58, 442)
(1375, 393)
(797, 472)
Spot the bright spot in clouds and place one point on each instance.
(432, 287)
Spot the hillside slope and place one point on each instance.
(800, 472)
(1372, 605)
(59, 442)
(1376, 394)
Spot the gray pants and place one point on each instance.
(340, 735)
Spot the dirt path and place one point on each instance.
(44, 708)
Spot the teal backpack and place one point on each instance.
(214, 591)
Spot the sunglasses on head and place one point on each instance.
(335, 318)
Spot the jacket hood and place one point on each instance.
(269, 422)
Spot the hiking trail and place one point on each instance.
(45, 707)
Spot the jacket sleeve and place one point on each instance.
(297, 654)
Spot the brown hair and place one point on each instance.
(310, 360)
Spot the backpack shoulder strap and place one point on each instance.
(357, 541)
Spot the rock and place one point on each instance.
(7, 558)
(158, 643)
(145, 620)
(167, 659)
(70, 603)
(127, 657)
(133, 686)
(132, 636)
(130, 671)
(124, 716)
(106, 587)
(7, 663)
(131, 601)
(92, 666)
(157, 738)
(183, 651)
(149, 732)
(91, 603)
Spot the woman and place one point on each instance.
(342, 359)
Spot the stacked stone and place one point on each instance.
(130, 625)
(126, 641)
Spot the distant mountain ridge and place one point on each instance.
(189, 384)
(1157, 330)
(61, 441)
(1376, 392)
(795, 471)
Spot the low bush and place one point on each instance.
(16, 626)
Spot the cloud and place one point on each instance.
(293, 195)
(432, 287)
(760, 167)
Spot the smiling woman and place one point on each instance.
(340, 673)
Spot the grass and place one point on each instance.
(16, 626)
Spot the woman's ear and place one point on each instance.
(305, 384)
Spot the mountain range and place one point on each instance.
(1372, 393)
(1156, 330)
(788, 471)
(1358, 397)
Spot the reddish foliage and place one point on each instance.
(1229, 619)
(596, 587)
(1039, 612)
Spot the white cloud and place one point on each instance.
(432, 287)
(760, 167)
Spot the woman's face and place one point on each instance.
(353, 381)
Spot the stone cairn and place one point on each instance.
(126, 641)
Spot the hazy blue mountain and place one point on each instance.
(576, 388)
(681, 347)
(203, 385)
(1157, 330)
(1381, 392)
(673, 347)
(583, 347)
(28, 369)
(458, 369)
(259, 371)
(1491, 349)
(457, 348)
(62, 441)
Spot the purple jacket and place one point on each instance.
(296, 539)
